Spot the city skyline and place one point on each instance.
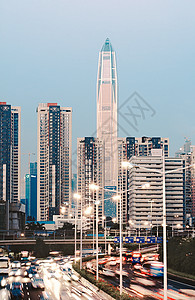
(47, 50)
(97, 149)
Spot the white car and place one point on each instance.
(16, 264)
(124, 273)
(16, 272)
(74, 277)
(66, 277)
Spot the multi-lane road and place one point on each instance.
(140, 285)
(58, 285)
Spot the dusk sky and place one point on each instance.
(49, 53)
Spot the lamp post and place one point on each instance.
(164, 231)
(151, 201)
(120, 226)
(78, 197)
(119, 198)
(97, 274)
(104, 218)
(94, 187)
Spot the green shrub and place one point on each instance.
(181, 255)
(102, 284)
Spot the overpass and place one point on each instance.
(48, 241)
(86, 241)
(32, 241)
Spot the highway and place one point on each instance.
(61, 283)
(58, 285)
(140, 285)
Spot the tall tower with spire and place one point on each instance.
(107, 99)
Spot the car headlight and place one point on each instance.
(3, 282)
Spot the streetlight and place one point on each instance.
(104, 218)
(77, 197)
(94, 187)
(151, 201)
(118, 197)
(97, 203)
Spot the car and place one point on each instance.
(16, 264)
(16, 272)
(108, 273)
(5, 294)
(16, 285)
(16, 290)
(38, 283)
(112, 263)
(124, 273)
(66, 277)
(32, 272)
(74, 277)
(51, 273)
(17, 294)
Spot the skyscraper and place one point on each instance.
(127, 148)
(54, 168)
(9, 158)
(107, 98)
(146, 205)
(90, 169)
(31, 192)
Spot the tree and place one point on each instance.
(32, 226)
(41, 249)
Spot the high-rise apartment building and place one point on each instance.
(146, 204)
(90, 170)
(134, 146)
(107, 98)
(142, 146)
(10, 151)
(191, 207)
(187, 152)
(54, 167)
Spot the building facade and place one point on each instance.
(31, 192)
(127, 148)
(146, 204)
(187, 152)
(90, 170)
(10, 151)
(54, 167)
(142, 146)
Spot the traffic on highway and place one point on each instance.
(54, 278)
